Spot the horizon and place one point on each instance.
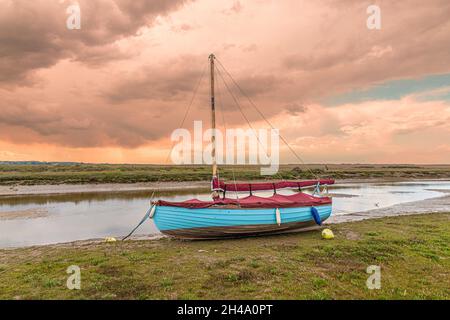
(37, 162)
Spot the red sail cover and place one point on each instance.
(220, 185)
(255, 202)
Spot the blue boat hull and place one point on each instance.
(214, 223)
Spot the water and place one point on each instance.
(32, 220)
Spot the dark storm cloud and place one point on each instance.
(168, 81)
(33, 34)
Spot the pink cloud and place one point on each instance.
(123, 81)
(396, 131)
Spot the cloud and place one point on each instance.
(33, 34)
(123, 81)
(257, 84)
(235, 8)
(93, 123)
(171, 80)
(341, 54)
(184, 27)
(295, 108)
(249, 48)
(401, 131)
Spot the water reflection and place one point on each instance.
(92, 196)
(93, 215)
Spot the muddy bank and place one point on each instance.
(19, 190)
(107, 187)
(24, 214)
(433, 205)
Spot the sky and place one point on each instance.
(115, 89)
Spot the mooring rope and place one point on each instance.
(169, 153)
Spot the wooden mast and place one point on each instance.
(213, 119)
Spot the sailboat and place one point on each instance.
(251, 215)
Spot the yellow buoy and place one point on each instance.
(110, 239)
(327, 234)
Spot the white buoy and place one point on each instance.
(277, 213)
(152, 212)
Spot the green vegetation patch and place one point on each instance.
(412, 251)
(78, 173)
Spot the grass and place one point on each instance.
(27, 174)
(412, 251)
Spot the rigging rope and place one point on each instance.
(266, 120)
(245, 117)
(219, 94)
(170, 151)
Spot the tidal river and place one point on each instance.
(44, 219)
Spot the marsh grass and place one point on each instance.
(413, 253)
(27, 174)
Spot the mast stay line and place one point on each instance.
(148, 213)
(265, 119)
